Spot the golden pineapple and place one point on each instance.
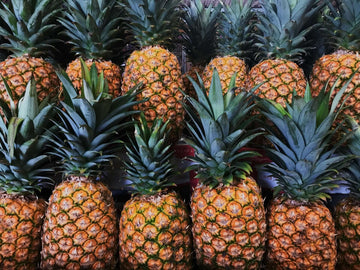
(284, 26)
(28, 46)
(98, 42)
(155, 224)
(227, 209)
(153, 65)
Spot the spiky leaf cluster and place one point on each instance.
(90, 124)
(149, 166)
(93, 28)
(305, 157)
(153, 22)
(199, 31)
(28, 26)
(219, 129)
(283, 27)
(342, 22)
(24, 163)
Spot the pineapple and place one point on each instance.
(283, 28)
(155, 224)
(93, 29)
(301, 229)
(198, 37)
(347, 211)
(80, 227)
(29, 29)
(233, 45)
(343, 35)
(24, 171)
(227, 209)
(154, 24)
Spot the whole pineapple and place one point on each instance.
(301, 229)
(155, 224)
(24, 171)
(93, 29)
(227, 209)
(234, 42)
(283, 27)
(155, 25)
(80, 228)
(343, 33)
(29, 28)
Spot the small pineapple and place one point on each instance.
(234, 42)
(281, 41)
(155, 25)
(80, 229)
(29, 30)
(301, 229)
(155, 224)
(24, 171)
(227, 209)
(93, 29)
(343, 33)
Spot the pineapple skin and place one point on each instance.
(347, 217)
(20, 231)
(193, 73)
(300, 235)
(155, 233)
(17, 71)
(229, 226)
(159, 71)
(279, 77)
(80, 226)
(112, 73)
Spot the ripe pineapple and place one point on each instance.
(301, 229)
(227, 209)
(80, 228)
(344, 36)
(29, 29)
(198, 37)
(24, 171)
(155, 224)
(233, 45)
(281, 41)
(93, 29)
(154, 24)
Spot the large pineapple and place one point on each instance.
(234, 45)
(283, 27)
(93, 29)
(199, 38)
(343, 35)
(301, 229)
(24, 171)
(154, 225)
(227, 209)
(29, 28)
(154, 24)
(80, 228)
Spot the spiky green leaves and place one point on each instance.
(219, 129)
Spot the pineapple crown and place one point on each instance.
(153, 22)
(24, 165)
(29, 26)
(149, 166)
(342, 23)
(283, 28)
(199, 31)
(219, 128)
(305, 158)
(93, 27)
(90, 124)
(235, 32)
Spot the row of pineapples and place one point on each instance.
(82, 135)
